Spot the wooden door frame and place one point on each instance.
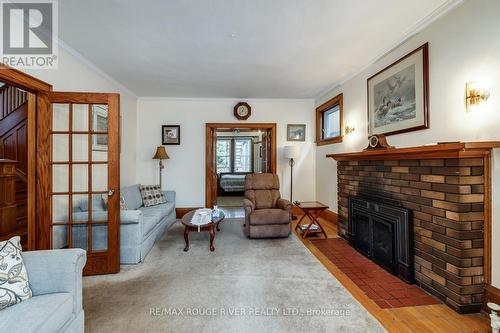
(210, 128)
(34, 87)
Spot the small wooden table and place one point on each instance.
(311, 209)
(210, 227)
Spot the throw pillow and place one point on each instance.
(14, 285)
(123, 204)
(152, 195)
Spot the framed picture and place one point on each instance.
(398, 95)
(100, 124)
(171, 134)
(295, 132)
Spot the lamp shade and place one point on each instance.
(291, 152)
(161, 154)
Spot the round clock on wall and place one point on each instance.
(242, 111)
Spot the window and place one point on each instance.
(223, 155)
(329, 121)
(234, 155)
(242, 155)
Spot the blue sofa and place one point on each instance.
(55, 278)
(140, 227)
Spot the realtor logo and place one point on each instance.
(29, 34)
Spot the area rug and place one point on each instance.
(271, 285)
(382, 287)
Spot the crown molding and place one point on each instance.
(93, 66)
(437, 13)
(225, 99)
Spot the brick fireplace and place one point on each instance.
(447, 189)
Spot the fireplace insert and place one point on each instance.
(383, 233)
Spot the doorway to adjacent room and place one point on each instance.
(232, 152)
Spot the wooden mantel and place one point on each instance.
(441, 150)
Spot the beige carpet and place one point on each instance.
(244, 286)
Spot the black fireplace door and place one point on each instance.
(383, 251)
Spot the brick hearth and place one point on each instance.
(447, 198)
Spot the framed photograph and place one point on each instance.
(171, 134)
(398, 95)
(295, 132)
(100, 124)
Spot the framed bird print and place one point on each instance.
(398, 95)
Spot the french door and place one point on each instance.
(78, 176)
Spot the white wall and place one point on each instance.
(463, 46)
(76, 74)
(185, 170)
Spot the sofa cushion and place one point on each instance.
(166, 208)
(14, 285)
(97, 203)
(262, 181)
(44, 313)
(152, 195)
(262, 189)
(269, 216)
(123, 204)
(153, 215)
(132, 196)
(263, 199)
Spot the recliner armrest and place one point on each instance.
(248, 205)
(284, 204)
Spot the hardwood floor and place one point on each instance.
(426, 318)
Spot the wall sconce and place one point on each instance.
(349, 129)
(474, 95)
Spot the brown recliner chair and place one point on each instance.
(266, 214)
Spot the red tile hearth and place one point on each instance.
(383, 288)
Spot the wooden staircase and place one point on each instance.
(13, 146)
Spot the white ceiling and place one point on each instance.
(235, 48)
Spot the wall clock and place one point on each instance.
(242, 111)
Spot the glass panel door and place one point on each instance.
(84, 189)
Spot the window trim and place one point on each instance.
(320, 110)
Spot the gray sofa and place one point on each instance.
(140, 227)
(55, 278)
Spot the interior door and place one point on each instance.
(78, 176)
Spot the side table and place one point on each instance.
(312, 210)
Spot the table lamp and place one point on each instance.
(161, 154)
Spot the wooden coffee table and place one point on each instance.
(210, 227)
(311, 209)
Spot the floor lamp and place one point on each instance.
(291, 153)
(161, 154)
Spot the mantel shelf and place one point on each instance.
(441, 150)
